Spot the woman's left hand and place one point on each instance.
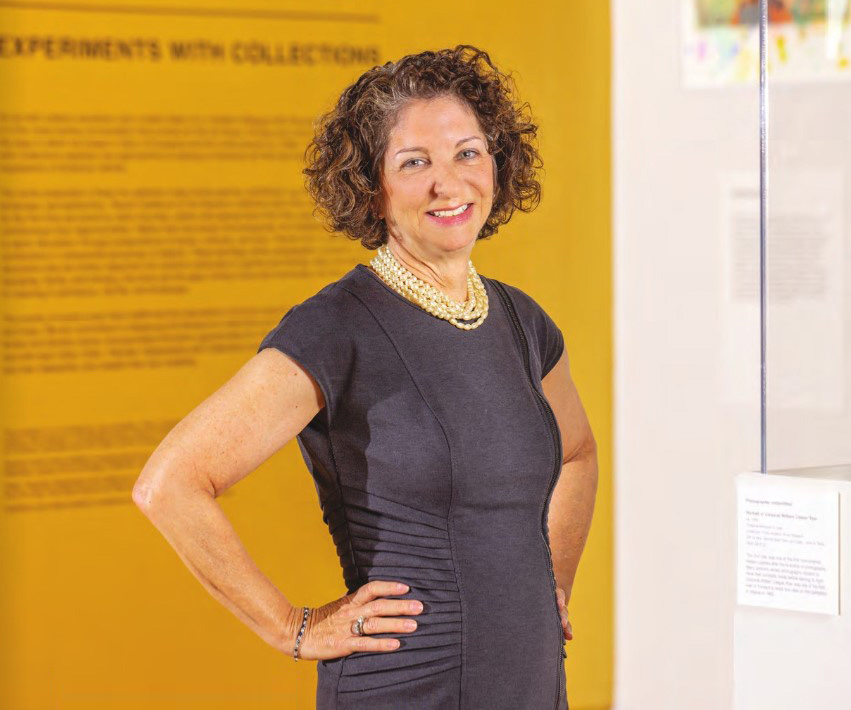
(562, 607)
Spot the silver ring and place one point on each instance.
(357, 627)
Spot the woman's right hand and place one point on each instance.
(329, 634)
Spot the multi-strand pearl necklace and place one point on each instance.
(401, 280)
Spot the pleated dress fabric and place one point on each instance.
(434, 461)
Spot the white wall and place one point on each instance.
(680, 439)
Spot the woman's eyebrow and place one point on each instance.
(416, 148)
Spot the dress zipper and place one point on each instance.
(551, 421)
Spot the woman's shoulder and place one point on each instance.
(321, 333)
(329, 314)
(525, 303)
(540, 325)
(333, 302)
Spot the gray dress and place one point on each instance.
(434, 461)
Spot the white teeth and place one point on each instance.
(449, 213)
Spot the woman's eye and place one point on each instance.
(414, 162)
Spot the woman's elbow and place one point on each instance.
(151, 491)
(146, 493)
(590, 447)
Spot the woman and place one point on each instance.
(433, 407)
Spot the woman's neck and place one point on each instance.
(450, 278)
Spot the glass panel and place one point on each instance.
(808, 232)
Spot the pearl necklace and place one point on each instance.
(432, 300)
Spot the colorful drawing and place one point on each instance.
(808, 40)
(714, 13)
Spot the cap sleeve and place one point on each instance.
(545, 334)
(314, 334)
(550, 342)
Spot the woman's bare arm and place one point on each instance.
(572, 503)
(262, 407)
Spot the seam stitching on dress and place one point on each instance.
(512, 304)
(330, 419)
(451, 482)
(540, 407)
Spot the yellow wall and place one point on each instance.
(149, 202)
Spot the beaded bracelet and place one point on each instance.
(301, 632)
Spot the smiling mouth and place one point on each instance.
(450, 212)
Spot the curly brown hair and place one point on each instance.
(343, 161)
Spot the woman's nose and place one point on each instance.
(447, 181)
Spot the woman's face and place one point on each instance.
(437, 178)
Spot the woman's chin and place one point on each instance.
(455, 239)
